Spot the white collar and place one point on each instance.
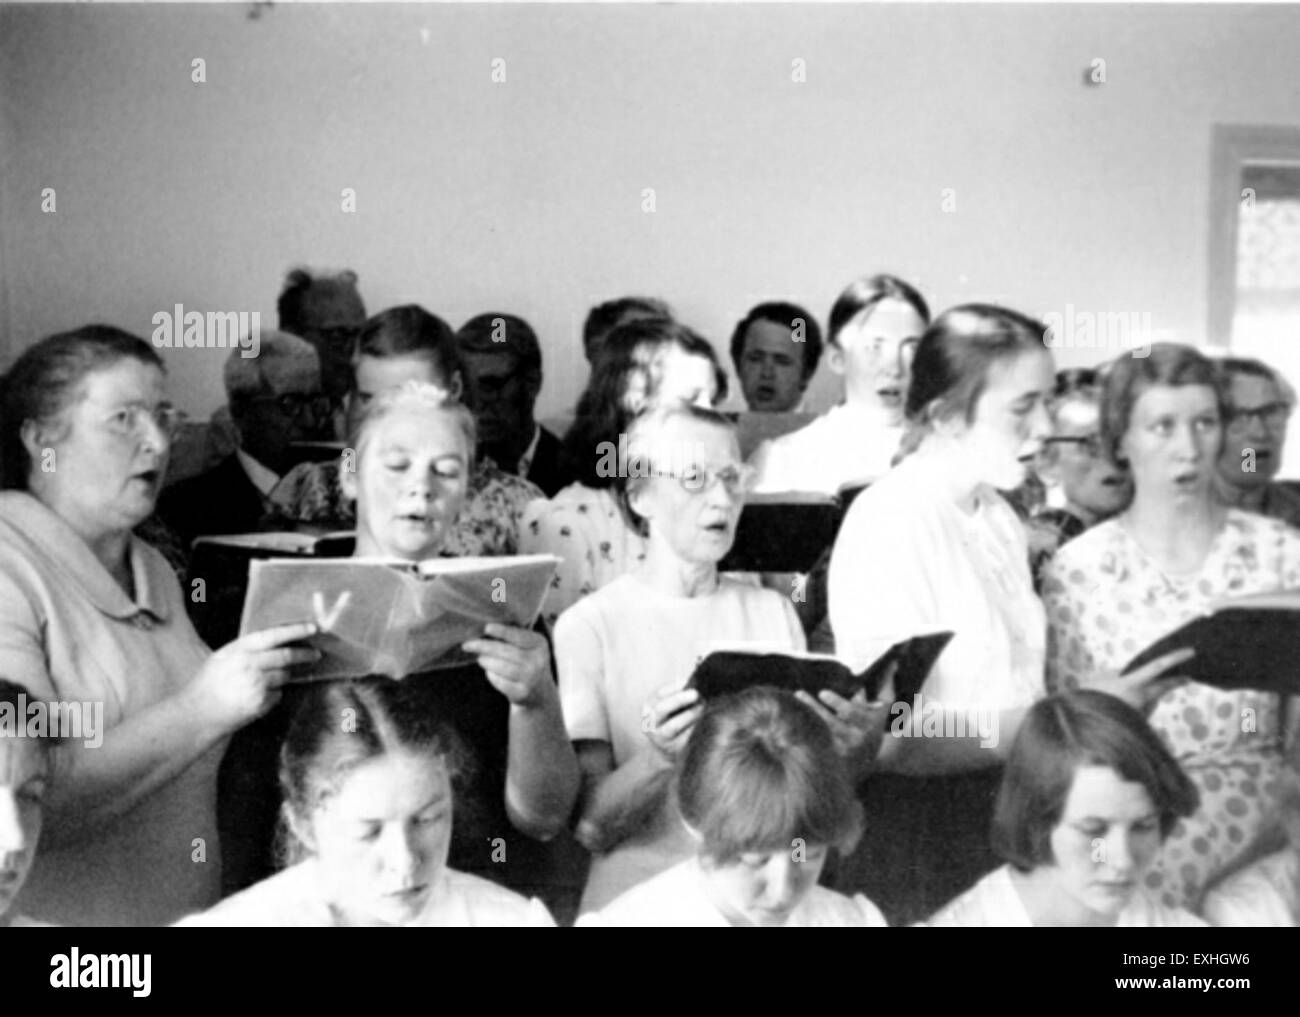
(526, 460)
(263, 478)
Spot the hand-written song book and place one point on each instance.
(381, 616)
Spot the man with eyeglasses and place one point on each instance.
(1260, 403)
(275, 400)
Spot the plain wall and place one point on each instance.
(526, 196)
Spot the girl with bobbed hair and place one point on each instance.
(1088, 795)
(369, 774)
(766, 797)
(1174, 553)
(642, 362)
(91, 613)
(932, 546)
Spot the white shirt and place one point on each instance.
(617, 647)
(291, 899)
(909, 560)
(526, 460)
(677, 899)
(846, 446)
(263, 478)
(1266, 893)
(614, 650)
(995, 902)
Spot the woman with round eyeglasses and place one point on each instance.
(626, 652)
(1168, 557)
(1260, 402)
(643, 362)
(1083, 486)
(91, 615)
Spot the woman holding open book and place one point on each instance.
(93, 618)
(1168, 557)
(626, 651)
(933, 547)
(414, 450)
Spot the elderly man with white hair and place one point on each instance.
(275, 400)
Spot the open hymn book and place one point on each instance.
(1250, 642)
(734, 668)
(385, 616)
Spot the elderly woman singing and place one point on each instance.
(90, 614)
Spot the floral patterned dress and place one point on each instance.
(1106, 602)
(488, 524)
(586, 529)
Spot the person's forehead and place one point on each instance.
(1031, 371)
(292, 376)
(1100, 792)
(423, 430)
(1159, 399)
(383, 372)
(770, 337)
(682, 437)
(391, 785)
(125, 380)
(491, 364)
(1250, 389)
(891, 318)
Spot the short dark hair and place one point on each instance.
(516, 340)
(1249, 367)
(387, 715)
(785, 314)
(759, 770)
(604, 318)
(632, 348)
(1172, 364)
(867, 292)
(297, 283)
(407, 331)
(1060, 734)
(42, 382)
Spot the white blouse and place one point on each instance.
(843, 447)
(995, 902)
(677, 899)
(908, 560)
(291, 899)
